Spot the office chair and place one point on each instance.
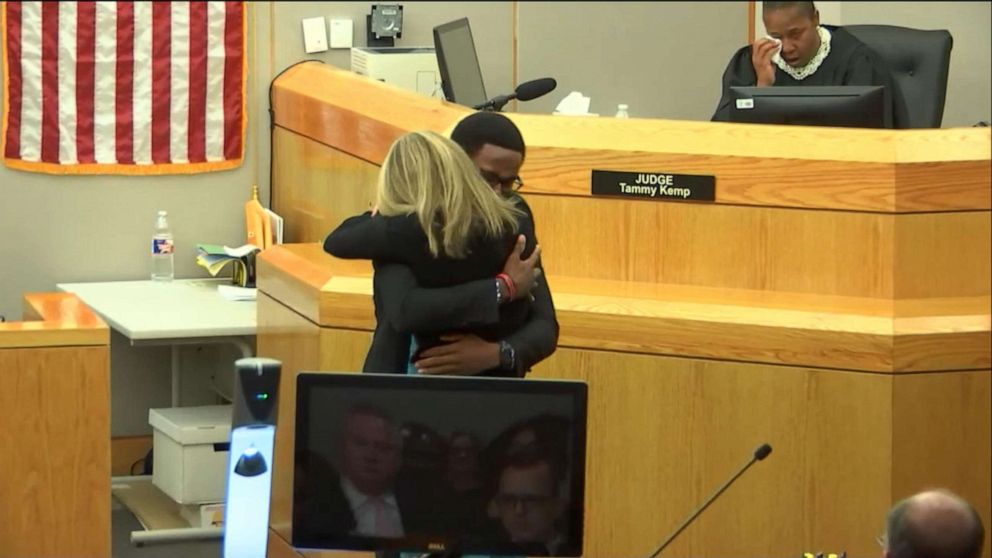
(919, 61)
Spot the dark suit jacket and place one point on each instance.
(406, 301)
(322, 515)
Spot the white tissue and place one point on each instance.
(574, 104)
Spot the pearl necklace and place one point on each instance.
(813, 65)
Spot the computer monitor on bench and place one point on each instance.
(850, 106)
(461, 76)
(445, 465)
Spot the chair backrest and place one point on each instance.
(919, 61)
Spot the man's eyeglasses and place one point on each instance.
(882, 540)
(512, 183)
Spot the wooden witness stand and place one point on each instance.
(834, 302)
(55, 458)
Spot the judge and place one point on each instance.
(800, 51)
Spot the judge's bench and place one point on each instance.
(833, 300)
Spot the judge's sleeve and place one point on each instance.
(739, 73)
(411, 308)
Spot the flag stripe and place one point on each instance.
(125, 83)
(180, 83)
(85, 49)
(31, 81)
(50, 82)
(117, 85)
(104, 76)
(161, 79)
(141, 114)
(13, 51)
(197, 80)
(233, 105)
(67, 82)
(215, 82)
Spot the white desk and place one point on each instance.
(175, 313)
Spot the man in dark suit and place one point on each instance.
(529, 504)
(362, 499)
(497, 148)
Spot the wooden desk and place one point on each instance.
(833, 301)
(55, 431)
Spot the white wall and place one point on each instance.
(663, 59)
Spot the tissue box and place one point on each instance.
(191, 456)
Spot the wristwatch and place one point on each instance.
(507, 357)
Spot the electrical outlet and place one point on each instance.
(342, 33)
(314, 34)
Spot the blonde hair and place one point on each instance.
(429, 175)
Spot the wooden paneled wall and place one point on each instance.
(55, 431)
(833, 301)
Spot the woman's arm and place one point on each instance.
(362, 237)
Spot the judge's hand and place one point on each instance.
(524, 273)
(463, 354)
(761, 58)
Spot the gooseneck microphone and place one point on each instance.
(524, 92)
(760, 453)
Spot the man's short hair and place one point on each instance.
(907, 537)
(806, 8)
(532, 457)
(368, 409)
(480, 128)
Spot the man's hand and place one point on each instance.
(761, 58)
(522, 272)
(463, 354)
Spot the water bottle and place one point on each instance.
(622, 111)
(162, 249)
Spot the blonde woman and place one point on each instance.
(439, 217)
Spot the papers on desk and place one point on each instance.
(214, 257)
(275, 222)
(232, 292)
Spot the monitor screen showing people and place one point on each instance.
(429, 464)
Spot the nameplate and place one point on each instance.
(661, 186)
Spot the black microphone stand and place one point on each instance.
(759, 454)
(495, 104)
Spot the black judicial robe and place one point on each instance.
(850, 62)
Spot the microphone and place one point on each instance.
(524, 92)
(759, 454)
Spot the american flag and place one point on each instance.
(123, 87)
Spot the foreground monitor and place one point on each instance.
(849, 106)
(439, 464)
(461, 76)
